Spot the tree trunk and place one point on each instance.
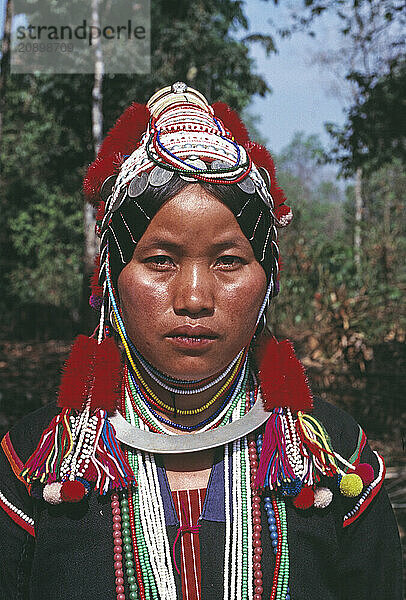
(5, 61)
(358, 218)
(91, 241)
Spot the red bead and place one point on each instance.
(258, 574)
(257, 582)
(120, 597)
(116, 519)
(118, 557)
(256, 521)
(116, 527)
(118, 541)
(118, 550)
(116, 511)
(259, 590)
(256, 513)
(119, 589)
(257, 529)
(119, 573)
(119, 581)
(257, 550)
(116, 534)
(257, 596)
(115, 504)
(118, 564)
(256, 536)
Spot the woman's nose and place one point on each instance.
(194, 291)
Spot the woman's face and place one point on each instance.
(191, 294)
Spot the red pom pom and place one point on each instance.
(262, 158)
(107, 376)
(121, 140)
(77, 374)
(72, 491)
(305, 498)
(282, 376)
(366, 472)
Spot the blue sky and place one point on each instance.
(300, 100)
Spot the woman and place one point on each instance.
(195, 464)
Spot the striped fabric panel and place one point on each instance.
(189, 506)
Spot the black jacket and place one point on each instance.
(71, 555)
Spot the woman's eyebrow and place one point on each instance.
(173, 246)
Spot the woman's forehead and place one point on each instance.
(192, 217)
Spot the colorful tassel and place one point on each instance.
(54, 445)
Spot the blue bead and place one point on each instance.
(272, 527)
(287, 596)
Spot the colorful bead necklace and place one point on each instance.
(142, 405)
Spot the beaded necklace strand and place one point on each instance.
(141, 546)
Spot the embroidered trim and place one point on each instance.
(16, 463)
(368, 495)
(17, 515)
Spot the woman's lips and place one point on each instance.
(192, 336)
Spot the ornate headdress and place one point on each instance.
(178, 134)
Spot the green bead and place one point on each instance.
(130, 578)
(126, 536)
(130, 572)
(128, 555)
(127, 547)
(133, 595)
(129, 564)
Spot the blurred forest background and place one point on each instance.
(343, 280)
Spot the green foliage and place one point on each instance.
(321, 288)
(375, 131)
(47, 141)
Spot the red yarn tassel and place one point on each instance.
(283, 378)
(77, 373)
(107, 377)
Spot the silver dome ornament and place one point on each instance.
(159, 176)
(138, 185)
(179, 87)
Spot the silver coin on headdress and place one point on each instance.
(107, 187)
(138, 185)
(200, 166)
(159, 176)
(219, 165)
(247, 185)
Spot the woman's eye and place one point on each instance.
(160, 261)
(229, 261)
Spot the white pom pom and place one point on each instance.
(52, 493)
(322, 497)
